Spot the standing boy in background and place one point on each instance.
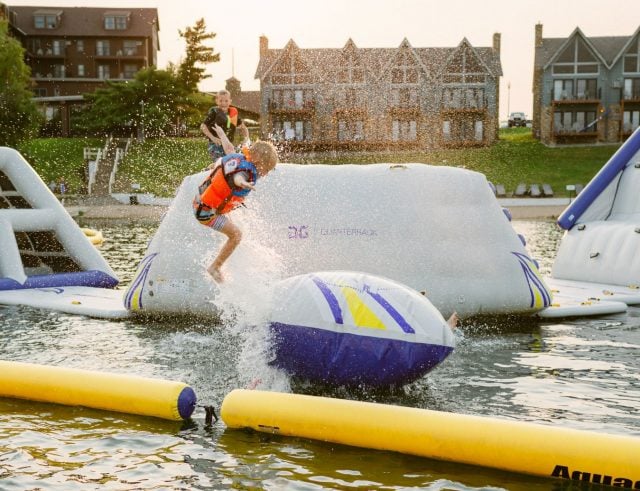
(226, 116)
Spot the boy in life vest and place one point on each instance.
(232, 178)
(226, 116)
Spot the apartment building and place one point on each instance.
(586, 89)
(370, 98)
(74, 50)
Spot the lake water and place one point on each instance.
(581, 373)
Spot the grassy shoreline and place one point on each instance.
(159, 165)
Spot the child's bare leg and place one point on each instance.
(234, 236)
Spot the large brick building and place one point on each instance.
(361, 98)
(74, 50)
(586, 89)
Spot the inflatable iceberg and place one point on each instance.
(439, 230)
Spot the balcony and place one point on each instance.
(405, 111)
(48, 53)
(576, 98)
(632, 95)
(292, 108)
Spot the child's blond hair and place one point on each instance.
(265, 153)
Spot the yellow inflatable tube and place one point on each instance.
(94, 236)
(509, 445)
(99, 390)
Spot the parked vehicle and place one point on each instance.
(517, 119)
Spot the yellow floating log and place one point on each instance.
(503, 444)
(94, 236)
(99, 390)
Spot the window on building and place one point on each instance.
(631, 63)
(631, 88)
(40, 92)
(103, 48)
(57, 47)
(403, 130)
(630, 121)
(292, 130)
(45, 20)
(291, 70)
(405, 69)
(81, 72)
(576, 58)
(58, 71)
(350, 130)
(104, 71)
(130, 48)
(479, 131)
(465, 68)
(586, 88)
(116, 22)
(446, 130)
(130, 71)
(80, 46)
(574, 121)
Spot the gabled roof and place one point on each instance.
(376, 60)
(626, 45)
(85, 21)
(487, 58)
(607, 49)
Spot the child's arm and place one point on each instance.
(205, 129)
(227, 146)
(240, 180)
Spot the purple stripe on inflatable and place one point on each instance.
(338, 358)
(145, 266)
(603, 178)
(331, 299)
(397, 316)
(93, 278)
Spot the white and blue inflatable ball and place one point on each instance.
(350, 328)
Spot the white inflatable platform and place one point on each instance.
(598, 256)
(436, 229)
(44, 253)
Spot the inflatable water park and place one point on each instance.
(368, 275)
(369, 272)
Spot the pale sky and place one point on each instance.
(377, 24)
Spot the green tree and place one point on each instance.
(154, 100)
(189, 73)
(19, 117)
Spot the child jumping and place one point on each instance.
(233, 176)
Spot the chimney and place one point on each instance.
(496, 42)
(538, 42)
(264, 45)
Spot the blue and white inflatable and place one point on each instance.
(41, 244)
(348, 328)
(603, 225)
(46, 260)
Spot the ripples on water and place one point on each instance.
(580, 373)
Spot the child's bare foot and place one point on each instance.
(453, 320)
(216, 274)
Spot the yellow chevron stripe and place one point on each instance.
(362, 315)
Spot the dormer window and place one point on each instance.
(116, 21)
(43, 19)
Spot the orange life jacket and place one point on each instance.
(217, 193)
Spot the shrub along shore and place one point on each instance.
(159, 165)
